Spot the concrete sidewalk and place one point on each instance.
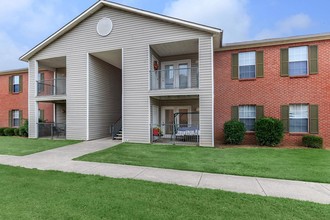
(61, 159)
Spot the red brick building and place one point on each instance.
(14, 98)
(284, 78)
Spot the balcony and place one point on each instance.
(182, 78)
(52, 87)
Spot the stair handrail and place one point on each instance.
(116, 127)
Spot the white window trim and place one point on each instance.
(255, 117)
(307, 73)
(300, 118)
(255, 64)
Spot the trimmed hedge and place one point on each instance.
(9, 131)
(2, 131)
(16, 131)
(234, 132)
(312, 141)
(24, 129)
(269, 131)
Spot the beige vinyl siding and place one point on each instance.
(32, 105)
(133, 33)
(60, 115)
(205, 91)
(104, 96)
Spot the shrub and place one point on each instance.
(234, 132)
(24, 129)
(2, 131)
(9, 131)
(16, 131)
(269, 131)
(312, 141)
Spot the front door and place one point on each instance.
(176, 74)
(167, 118)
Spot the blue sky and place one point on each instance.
(25, 23)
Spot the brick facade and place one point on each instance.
(18, 101)
(272, 90)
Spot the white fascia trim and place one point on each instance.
(163, 17)
(212, 62)
(87, 97)
(101, 3)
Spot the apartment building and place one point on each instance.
(285, 78)
(14, 98)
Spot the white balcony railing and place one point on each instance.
(51, 87)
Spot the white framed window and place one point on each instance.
(247, 115)
(247, 65)
(298, 115)
(298, 61)
(15, 118)
(16, 84)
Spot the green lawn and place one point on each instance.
(296, 164)
(19, 146)
(33, 194)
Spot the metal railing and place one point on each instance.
(175, 133)
(51, 130)
(174, 79)
(51, 87)
(116, 127)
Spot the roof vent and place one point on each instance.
(104, 27)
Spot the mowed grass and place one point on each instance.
(19, 146)
(33, 194)
(294, 164)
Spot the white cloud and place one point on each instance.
(9, 53)
(286, 27)
(229, 15)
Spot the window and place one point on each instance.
(16, 84)
(298, 115)
(15, 118)
(298, 61)
(247, 115)
(247, 65)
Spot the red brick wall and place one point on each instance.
(9, 101)
(272, 91)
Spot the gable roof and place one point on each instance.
(217, 33)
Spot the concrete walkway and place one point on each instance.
(61, 159)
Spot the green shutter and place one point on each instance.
(21, 117)
(284, 62)
(260, 64)
(234, 112)
(42, 115)
(259, 111)
(313, 59)
(20, 83)
(10, 84)
(10, 117)
(285, 117)
(314, 119)
(234, 66)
